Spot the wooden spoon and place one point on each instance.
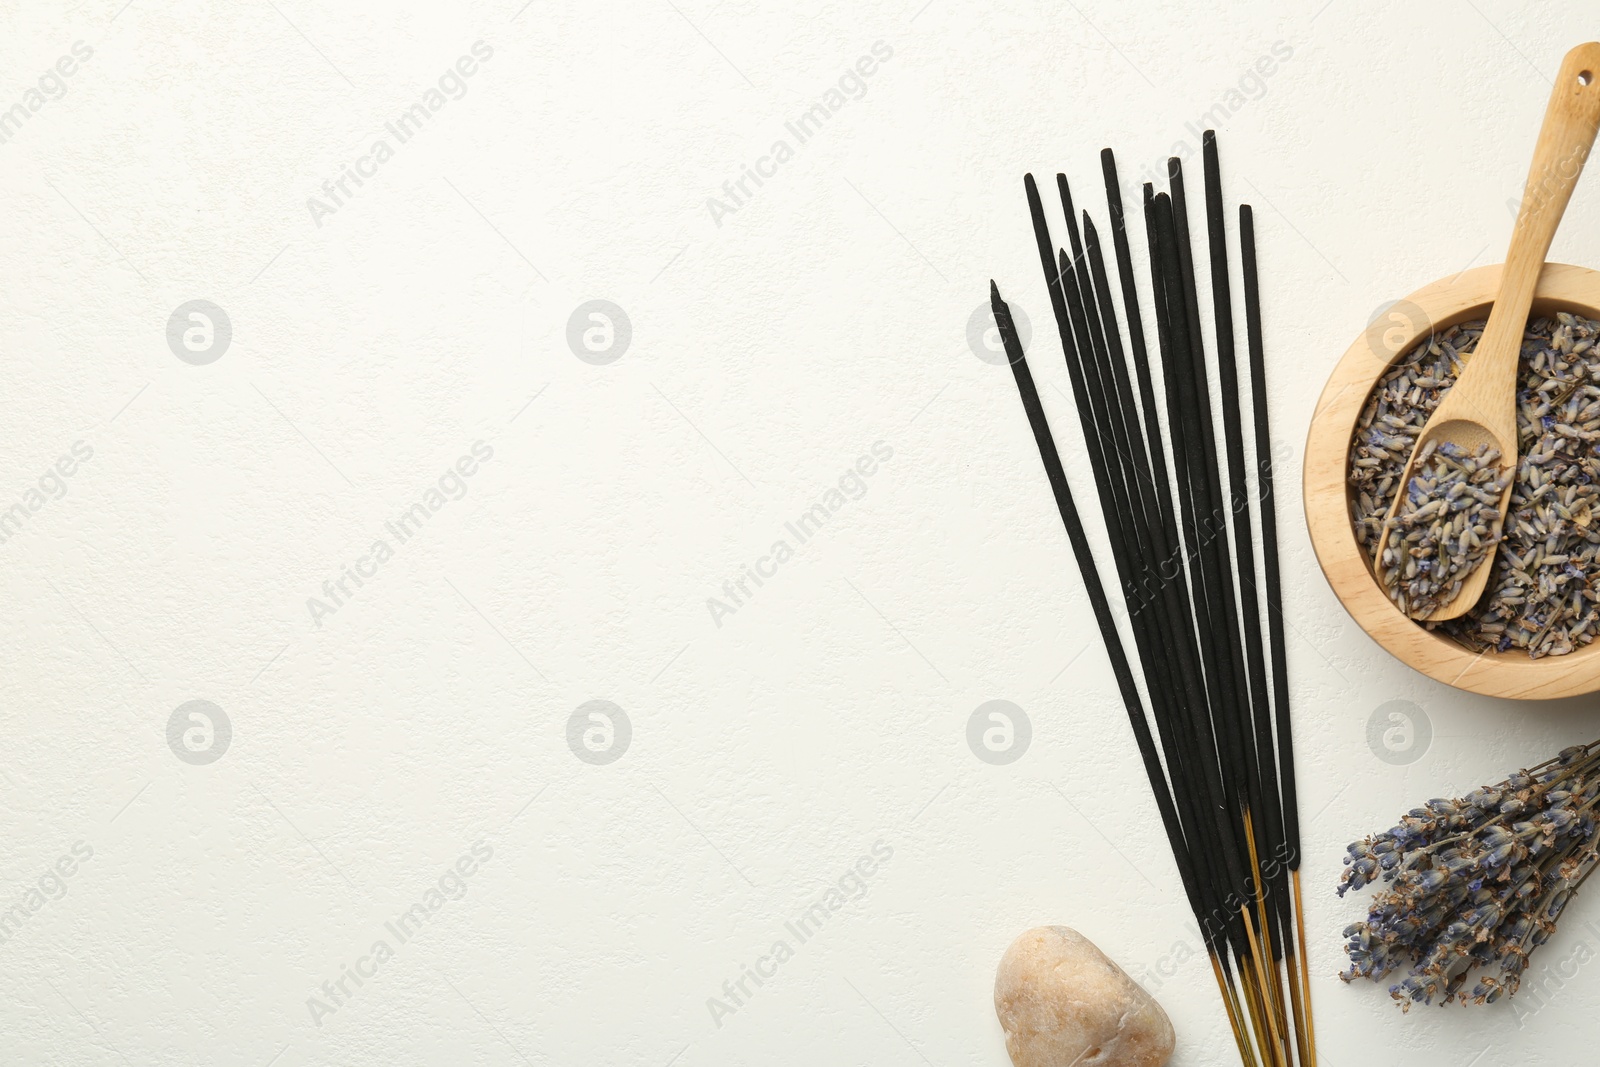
(1481, 408)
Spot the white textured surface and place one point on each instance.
(829, 713)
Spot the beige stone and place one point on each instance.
(1064, 1003)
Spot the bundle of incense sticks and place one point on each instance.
(1212, 718)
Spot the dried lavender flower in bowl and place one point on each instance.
(1544, 592)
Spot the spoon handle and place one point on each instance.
(1568, 133)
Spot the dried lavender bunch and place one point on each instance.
(1544, 591)
(1475, 883)
(1448, 522)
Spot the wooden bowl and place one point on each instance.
(1328, 498)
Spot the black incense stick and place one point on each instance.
(1275, 621)
(1269, 534)
(1212, 721)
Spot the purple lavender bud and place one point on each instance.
(1496, 857)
